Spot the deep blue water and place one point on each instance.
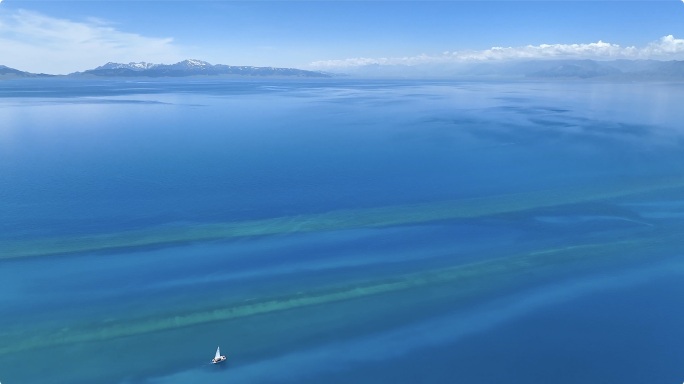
(554, 168)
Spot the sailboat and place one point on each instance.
(218, 358)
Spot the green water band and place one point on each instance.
(464, 280)
(335, 220)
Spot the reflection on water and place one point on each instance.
(330, 231)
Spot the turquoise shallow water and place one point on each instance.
(340, 231)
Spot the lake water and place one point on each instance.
(340, 231)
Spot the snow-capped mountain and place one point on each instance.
(192, 64)
(141, 66)
(192, 68)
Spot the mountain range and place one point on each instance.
(192, 68)
(615, 70)
(180, 69)
(592, 69)
(619, 70)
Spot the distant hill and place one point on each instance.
(581, 69)
(618, 70)
(192, 68)
(7, 72)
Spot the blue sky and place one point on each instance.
(65, 36)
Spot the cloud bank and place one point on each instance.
(666, 48)
(33, 42)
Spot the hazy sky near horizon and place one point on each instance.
(67, 36)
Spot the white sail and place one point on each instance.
(218, 353)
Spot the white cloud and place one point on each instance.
(34, 42)
(668, 47)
